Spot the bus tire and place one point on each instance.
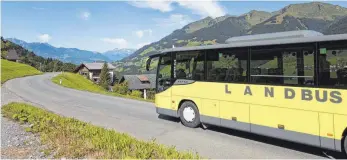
(189, 114)
(345, 145)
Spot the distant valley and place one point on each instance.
(118, 53)
(72, 55)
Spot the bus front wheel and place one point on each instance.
(189, 114)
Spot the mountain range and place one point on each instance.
(72, 55)
(322, 17)
(118, 53)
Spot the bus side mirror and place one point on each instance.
(148, 63)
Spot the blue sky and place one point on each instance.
(102, 26)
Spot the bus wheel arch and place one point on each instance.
(188, 107)
(344, 142)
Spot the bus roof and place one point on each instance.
(274, 36)
(289, 37)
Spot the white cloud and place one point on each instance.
(142, 44)
(44, 38)
(163, 6)
(85, 15)
(203, 8)
(141, 33)
(119, 42)
(175, 20)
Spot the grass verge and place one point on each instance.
(71, 138)
(79, 82)
(10, 70)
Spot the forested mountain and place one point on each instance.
(30, 58)
(72, 55)
(322, 17)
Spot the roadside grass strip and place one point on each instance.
(76, 81)
(71, 138)
(11, 70)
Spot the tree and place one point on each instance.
(105, 78)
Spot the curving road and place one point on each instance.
(139, 119)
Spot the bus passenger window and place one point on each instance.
(283, 66)
(227, 65)
(164, 73)
(333, 65)
(189, 65)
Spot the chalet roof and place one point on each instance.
(143, 81)
(12, 55)
(98, 65)
(142, 78)
(94, 66)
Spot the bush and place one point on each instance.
(151, 94)
(136, 93)
(121, 88)
(71, 138)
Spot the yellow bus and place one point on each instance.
(288, 85)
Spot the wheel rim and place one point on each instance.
(189, 114)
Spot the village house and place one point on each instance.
(12, 56)
(141, 82)
(93, 70)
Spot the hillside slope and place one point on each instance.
(338, 27)
(10, 70)
(305, 16)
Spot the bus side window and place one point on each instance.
(333, 64)
(189, 65)
(292, 66)
(227, 65)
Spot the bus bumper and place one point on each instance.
(167, 112)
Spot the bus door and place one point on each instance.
(164, 82)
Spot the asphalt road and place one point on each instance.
(139, 119)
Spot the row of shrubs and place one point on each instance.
(71, 138)
(122, 89)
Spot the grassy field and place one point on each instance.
(79, 82)
(71, 138)
(10, 70)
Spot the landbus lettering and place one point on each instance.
(325, 96)
(336, 97)
(289, 93)
(248, 90)
(306, 95)
(227, 90)
(269, 92)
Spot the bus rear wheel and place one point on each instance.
(345, 145)
(189, 114)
